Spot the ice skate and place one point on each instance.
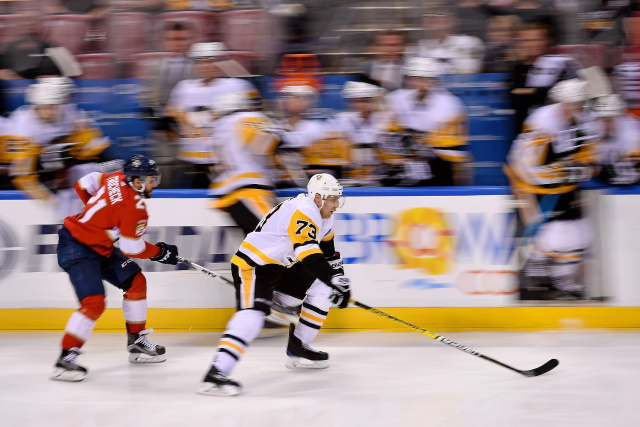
(302, 356)
(141, 350)
(66, 368)
(217, 384)
(283, 316)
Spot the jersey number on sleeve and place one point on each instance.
(312, 233)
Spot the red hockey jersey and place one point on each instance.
(113, 210)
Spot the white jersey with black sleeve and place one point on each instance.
(290, 232)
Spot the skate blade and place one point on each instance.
(145, 358)
(69, 376)
(281, 318)
(300, 363)
(209, 389)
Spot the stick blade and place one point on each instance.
(541, 369)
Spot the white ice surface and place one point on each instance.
(375, 379)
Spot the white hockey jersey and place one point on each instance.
(360, 131)
(24, 128)
(619, 150)
(547, 70)
(301, 134)
(244, 143)
(627, 80)
(441, 116)
(550, 120)
(458, 53)
(290, 232)
(189, 103)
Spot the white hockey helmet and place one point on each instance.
(299, 90)
(325, 185)
(572, 90)
(423, 67)
(207, 50)
(609, 106)
(226, 103)
(50, 91)
(355, 90)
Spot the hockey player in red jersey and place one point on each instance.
(114, 211)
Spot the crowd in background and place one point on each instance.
(571, 69)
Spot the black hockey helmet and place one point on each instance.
(139, 166)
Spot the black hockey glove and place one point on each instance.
(336, 264)
(341, 291)
(168, 254)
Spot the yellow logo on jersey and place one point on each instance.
(422, 239)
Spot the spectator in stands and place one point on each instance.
(24, 57)
(189, 106)
(536, 70)
(458, 53)
(385, 69)
(500, 55)
(626, 74)
(150, 6)
(177, 39)
(168, 72)
(473, 16)
(534, 11)
(95, 8)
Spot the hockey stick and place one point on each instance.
(204, 270)
(277, 311)
(528, 373)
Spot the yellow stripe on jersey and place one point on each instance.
(451, 134)
(329, 236)
(302, 229)
(248, 246)
(242, 264)
(16, 147)
(238, 177)
(303, 233)
(305, 253)
(521, 186)
(247, 287)
(254, 133)
(256, 194)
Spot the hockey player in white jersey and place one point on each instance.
(430, 127)
(619, 151)
(297, 132)
(296, 235)
(189, 105)
(244, 141)
(627, 80)
(54, 144)
(362, 125)
(546, 164)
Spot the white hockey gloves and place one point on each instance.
(341, 291)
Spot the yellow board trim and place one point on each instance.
(435, 319)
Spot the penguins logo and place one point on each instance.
(422, 239)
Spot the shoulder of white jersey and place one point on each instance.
(91, 182)
(467, 40)
(544, 115)
(446, 99)
(308, 207)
